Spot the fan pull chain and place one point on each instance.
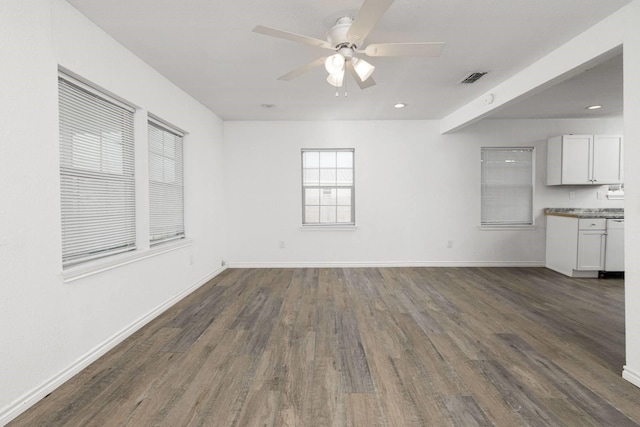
(345, 83)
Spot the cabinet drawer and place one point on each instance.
(592, 224)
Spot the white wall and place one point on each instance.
(632, 189)
(51, 328)
(415, 190)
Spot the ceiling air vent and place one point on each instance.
(473, 77)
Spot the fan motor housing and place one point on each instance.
(337, 35)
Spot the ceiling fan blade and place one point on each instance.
(367, 17)
(291, 36)
(363, 84)
(405, 49)
(304, 69)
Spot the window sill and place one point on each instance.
(94, 267)
(328, 227)
(507, 227)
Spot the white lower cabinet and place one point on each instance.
(592, 234)
(575, 247)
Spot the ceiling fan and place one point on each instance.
(346, 38)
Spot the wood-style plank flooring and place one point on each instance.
(366, 347)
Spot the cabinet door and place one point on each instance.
(591, 246)
(576, 159)
(607, 159)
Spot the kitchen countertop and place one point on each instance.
(586, 212)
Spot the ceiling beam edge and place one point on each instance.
(597, 44)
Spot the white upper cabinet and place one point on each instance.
(607, 159)
(584, 160)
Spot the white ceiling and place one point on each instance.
(207, 48)
(600, 85)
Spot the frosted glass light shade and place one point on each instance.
(334, 64)
(336, 79)
(363, 68)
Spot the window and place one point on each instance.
(96, 174)
(328, 187)
(166, 205)
(507, 186)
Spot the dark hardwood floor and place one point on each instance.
(366, 347)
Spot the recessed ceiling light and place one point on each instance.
(594, 107)
(267, 106)
(399, 105)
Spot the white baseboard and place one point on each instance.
(356, 264)
(29, 399)
(632, 376)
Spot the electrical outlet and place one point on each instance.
(599, 195)
(449, 243)
(572, 194)
(281, 244)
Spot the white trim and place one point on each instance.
(489, 207)
(96, 90)
(507, 227)
(328, 228)
(97, 174)
(336, 187)
(160, 242)
(360, 264)
(165, 124)
(30, 398)
(75, 273)
(630, 375)
(166, 196)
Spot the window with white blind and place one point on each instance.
(507, 186)
(166, 190)
(328, 191)
(96, 174)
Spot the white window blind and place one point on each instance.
(328, 191)
(507, 186)
(96, 175)
(166, 190)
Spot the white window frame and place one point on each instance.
(166, 183)
(495, 197)
(336, 187)
(97, 173)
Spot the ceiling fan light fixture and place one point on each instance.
(345, 39)
(336, 79)
(364, 70)
(334, 64)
